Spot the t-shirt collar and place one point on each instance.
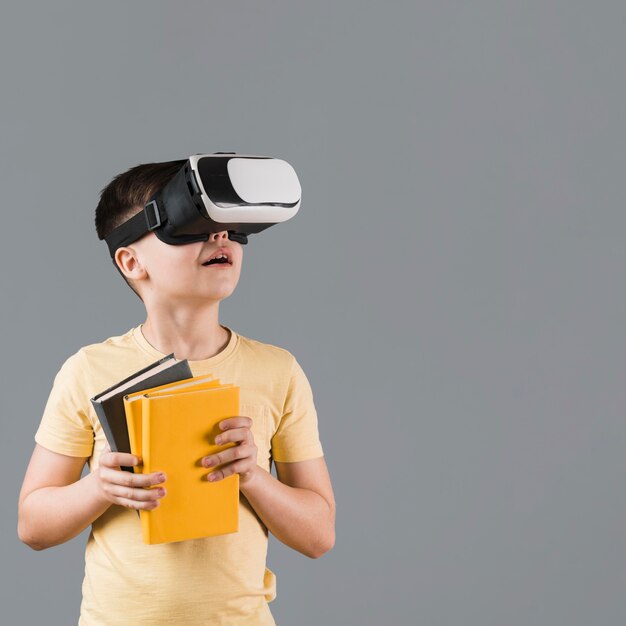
(149, 349)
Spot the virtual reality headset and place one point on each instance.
(239, 193)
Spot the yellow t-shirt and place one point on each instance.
(212, 581)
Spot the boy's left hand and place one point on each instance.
(239, 459)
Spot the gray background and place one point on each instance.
(453, 284)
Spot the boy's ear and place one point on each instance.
(128, 262)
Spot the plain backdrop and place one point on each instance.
(452, 285)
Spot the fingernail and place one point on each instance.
(161, 477)
(212, 477)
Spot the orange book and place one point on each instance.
(133, 405)
(178, 430)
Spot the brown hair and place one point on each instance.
(127, 194)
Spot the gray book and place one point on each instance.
(109, 404)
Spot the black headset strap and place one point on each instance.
(143, 222)
(131, 230)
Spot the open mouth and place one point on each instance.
(220, 261)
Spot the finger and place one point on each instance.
(147, 505)
(137, 494)
(230, 454)
(236, 435)
(236, 467)
(117, 459)
(126, 479)
(239, 421)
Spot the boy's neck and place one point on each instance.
(191, 339)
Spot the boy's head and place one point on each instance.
(155, 270)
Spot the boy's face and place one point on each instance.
(165, 273)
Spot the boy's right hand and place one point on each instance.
(121, 487)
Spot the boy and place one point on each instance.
(215, 580)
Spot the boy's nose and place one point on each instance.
(222, 234)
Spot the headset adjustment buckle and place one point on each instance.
(157, 215)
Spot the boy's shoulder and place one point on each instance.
(124, 341)
(257, 344)
(265, 350)
(81, 353)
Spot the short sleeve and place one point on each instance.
(65, 426)
(297, 436)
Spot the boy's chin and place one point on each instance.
(198, 293)
(214, 293)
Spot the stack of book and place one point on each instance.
(170, 419)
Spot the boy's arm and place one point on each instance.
(55, 504)
(299, 507)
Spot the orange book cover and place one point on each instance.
(178, 430)
(133, 404)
